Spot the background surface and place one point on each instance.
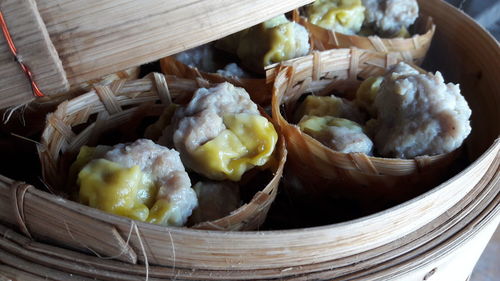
(486, 12)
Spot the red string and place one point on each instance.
(36, 91)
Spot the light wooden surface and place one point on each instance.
(36, 51)
(98, 37)
(94, 38)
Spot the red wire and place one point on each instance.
(36, 91)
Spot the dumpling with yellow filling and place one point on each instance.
(329, 106)
(142, 181)
(344, 16)
(339, 134)
(221, 134)
(272, 41)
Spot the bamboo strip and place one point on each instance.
(34, 48)
(15, 274)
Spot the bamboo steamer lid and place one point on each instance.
(67, 44)
(418, 239)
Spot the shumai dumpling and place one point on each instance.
(344, 16)
(140, 180)
(272, 41)
(418, 114)
(221, 134)
(390, 17)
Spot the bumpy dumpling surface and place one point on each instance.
(162, 182)
(418, 114)
(388, 17)
(202, 119)
(221, 133)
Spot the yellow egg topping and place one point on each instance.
(270, 42)
(320, 106)
(313, 125)
(123, 191)
(116, 189)
(344, 16)
(248, 141)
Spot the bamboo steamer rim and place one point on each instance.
(455, 237)
(107, 101)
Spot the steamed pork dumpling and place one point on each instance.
(270, 42)
(329, 106)
(418, 114)
(221, 134)
(344, 16)
(216, 200)
(141, 180)
(390, 17)
(339, 134)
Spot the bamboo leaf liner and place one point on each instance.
(478, 207)
(411, 49)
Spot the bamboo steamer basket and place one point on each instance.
(435, 250)
(315, 170)
(411, 49)
(424, 238)
(126, 104)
